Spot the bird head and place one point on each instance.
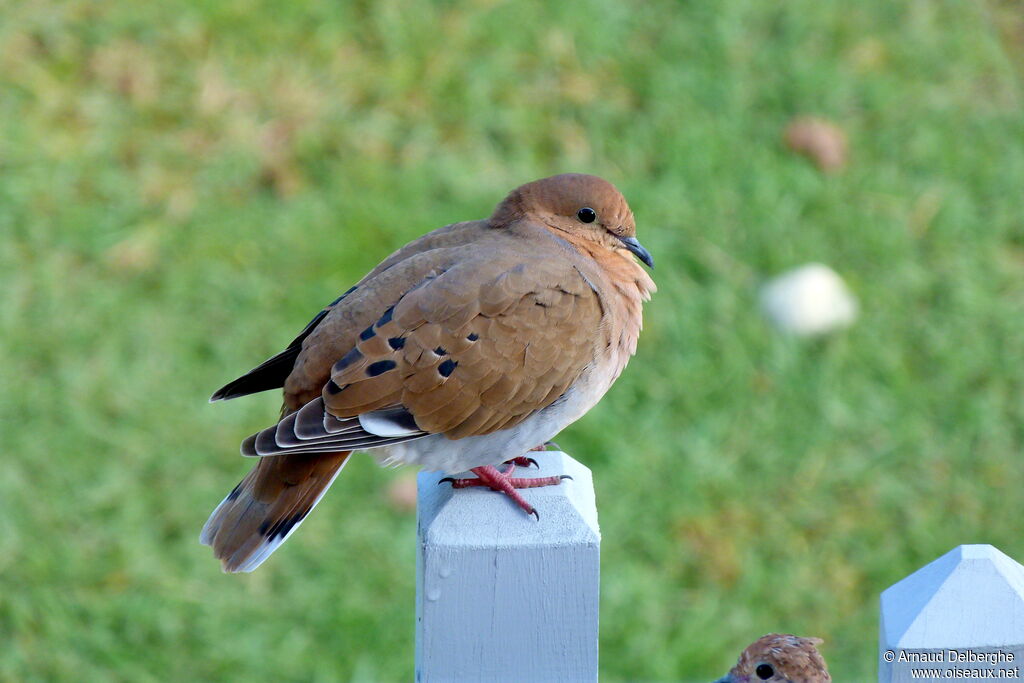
(583, 206)
(780, 658)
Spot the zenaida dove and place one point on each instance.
(464, 349)
(780, 658)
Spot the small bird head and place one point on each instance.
(584, 206)
(780, 658)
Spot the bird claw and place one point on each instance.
(503, 482)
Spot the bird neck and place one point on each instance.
(623, 286)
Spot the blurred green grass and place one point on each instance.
(183, 184)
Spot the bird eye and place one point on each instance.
(764, 671)
(586, 215)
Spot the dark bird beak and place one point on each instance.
(634, 246)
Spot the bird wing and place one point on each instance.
(489, 334)
(273, 372)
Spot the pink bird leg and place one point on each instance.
(504, 482)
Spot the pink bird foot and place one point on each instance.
(504, 482)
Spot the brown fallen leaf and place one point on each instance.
(821, 141)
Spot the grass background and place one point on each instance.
(183, 184)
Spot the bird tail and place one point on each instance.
(267, 506)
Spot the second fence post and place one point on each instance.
(960, 616)
(501, 596)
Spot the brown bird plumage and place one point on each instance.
(461, 350)
(780, 658)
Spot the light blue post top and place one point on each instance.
(971, 597)
(568, 513)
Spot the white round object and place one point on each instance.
(808, 300)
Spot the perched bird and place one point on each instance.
(464, 349)
(780, 658)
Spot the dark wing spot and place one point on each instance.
(386, 318)
(380, 367)
(348, 359)
(347, 292)
(473, 336)
(396, 342)
(441, 351)
(368, 333)
(448, 367)
(333, 389)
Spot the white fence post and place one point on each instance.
(501, 596)
(961, 617)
